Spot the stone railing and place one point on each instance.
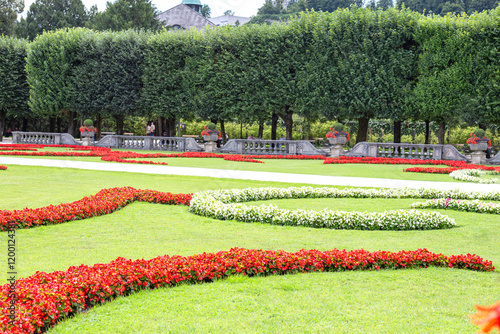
(405, 150)
(494, 160)
(150, 143)
(271, 147)
(43, 138)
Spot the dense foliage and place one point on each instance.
(14, 89)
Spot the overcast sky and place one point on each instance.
(240, 7)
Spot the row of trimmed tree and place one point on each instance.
(352, 64)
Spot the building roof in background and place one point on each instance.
(191, 2)
(229, 20)
(182, 16)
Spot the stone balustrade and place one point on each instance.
(406, 150)
(254, 147)
(271, 147)
(150, 143)
(43, 138)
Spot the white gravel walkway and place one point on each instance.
(248, 175)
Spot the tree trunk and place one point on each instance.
(98, 120)
(160, 126)
(25, 124)
(2, 124)
(171, 127)
(52, 124)
(397, 131)
(71, 125)
(287, 118)
(223, 131)
(442, 132)
(119, 124)
(59, 124)
(362, 129)
(427, 132)
(241, 129)
(274, 126)
(164, 125)
(261, 130)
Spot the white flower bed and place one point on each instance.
(473, 175)
(226, 204)
(460, 205)
(259, 194)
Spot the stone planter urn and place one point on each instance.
(480, 146)
(339, 140)
(87, 137)
(210, 145)
(478, 156)
(212, 137)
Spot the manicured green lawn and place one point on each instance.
(435, 300)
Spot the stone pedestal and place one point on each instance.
(86, 141)
(336, 151)
(478, 158)
(210, 146)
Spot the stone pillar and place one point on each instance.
(16, 136)
(210, 147)
(85, 141)
(372, 150)
(181, 144)
(437, 152)
(57, 139)
(240, 147)
(148, 141)
(336, 151)
(478, 158)
(292, 148)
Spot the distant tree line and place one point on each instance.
(352, 64)
(276, 10)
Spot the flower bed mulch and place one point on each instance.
(104, 202)
(43, 299)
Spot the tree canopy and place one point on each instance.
(8, 14)
(126, 14)
(47, 15)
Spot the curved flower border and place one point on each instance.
(226, 205)
(2, 167)
(44, 299)
(104, 202)
(459, 205)
(473, 175)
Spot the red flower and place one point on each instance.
(487, 317)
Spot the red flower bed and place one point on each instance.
(104, 202)
(2, 167)
(431, 170)
(242, 158)
(43, 299)
(287, 157)
(392, 161)
(454, 165)
(130, 157)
